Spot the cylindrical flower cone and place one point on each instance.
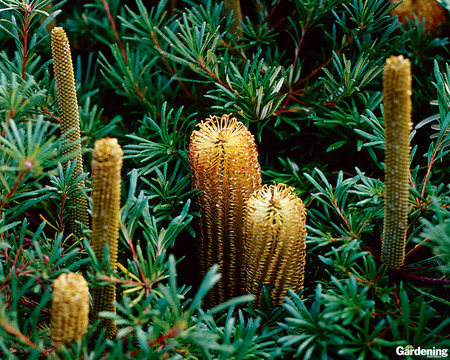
(224, 163)
(106, 184)
(397, 122)
(70, 121)
(275, 247)
(69, 309)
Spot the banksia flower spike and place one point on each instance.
(397, 122)
(106, 184)
(429, 10)
(275, 247)
(69, 309)
(70, 121)
(224, 163)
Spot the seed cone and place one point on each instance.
(70, 309)
(397, 122)
(106, 183)
(275, 247)
(70, 121)
(224, 163)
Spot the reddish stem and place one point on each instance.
(23, 338)
(114, 29)
(416, 268)
(172, 71)
(61, 214)
(50, 114)
(26, 30)
(271, 12)
(13, 189)
(161, 340)
(373, 253)
(417, 247)
(430, 165)
(424, 280)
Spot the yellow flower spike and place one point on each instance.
(275, 247)
(224, 163)
(397, 122)
(70, 121)
(106, 184)
(69, 309)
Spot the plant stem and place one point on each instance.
(430, 165)
(423, 279)
(26, 30)
(23, 338)
(114, 29)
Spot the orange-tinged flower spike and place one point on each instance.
(397, 122)
(429, 10)
(275, 247)
(70, 121)
(224, 163)
(106, 184)
(69, 309)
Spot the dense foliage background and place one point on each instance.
(305, 77)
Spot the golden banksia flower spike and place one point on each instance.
(106, 185)
(69, 309)
(397, 122)
(70, 121)
(224, 163)
(275, 247)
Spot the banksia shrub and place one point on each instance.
(397, 122)
(106, 184)
(275, 247)
(70, 121)
(224, 163)
(70, 309)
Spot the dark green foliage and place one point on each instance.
(305, 77)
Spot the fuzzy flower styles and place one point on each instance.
(275, 249)
(224, 162)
